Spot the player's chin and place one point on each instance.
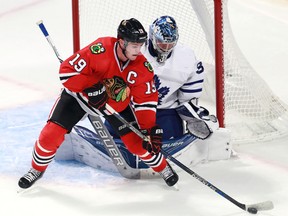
(133, 57)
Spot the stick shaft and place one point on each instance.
(47, 36)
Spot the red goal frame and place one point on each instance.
(219, 55)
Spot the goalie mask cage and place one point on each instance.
(244, 102)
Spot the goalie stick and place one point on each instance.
(124, 169)
(253, 208)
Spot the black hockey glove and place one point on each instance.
(155, 135)
(97, 96)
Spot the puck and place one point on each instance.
(252, 210)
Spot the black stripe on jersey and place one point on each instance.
(145, 105)
(66, 77)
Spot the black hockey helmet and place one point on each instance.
(131, 30)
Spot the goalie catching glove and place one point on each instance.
(154, 144)
(198, 121)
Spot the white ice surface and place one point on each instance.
(29, 85)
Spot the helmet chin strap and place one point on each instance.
(123, 49)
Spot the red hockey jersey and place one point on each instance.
(99, 62)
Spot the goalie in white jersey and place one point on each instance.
(179, 78)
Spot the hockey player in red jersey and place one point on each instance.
(109, 70)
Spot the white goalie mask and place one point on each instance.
(163, 34)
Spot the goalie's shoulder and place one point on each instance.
(184, 52)
(184, 57)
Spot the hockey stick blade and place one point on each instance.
(253, 209)
(263, 206)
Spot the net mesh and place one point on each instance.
(252, 111)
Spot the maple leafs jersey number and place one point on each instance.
(200, 67)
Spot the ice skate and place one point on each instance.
(29, 178)
(169, 175)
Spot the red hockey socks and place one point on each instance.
(51, 137)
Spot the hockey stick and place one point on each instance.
(253, 208)
(115, 154)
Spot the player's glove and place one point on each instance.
(97, 96)
(155, 135)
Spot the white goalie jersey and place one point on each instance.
(179, 79)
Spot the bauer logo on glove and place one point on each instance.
(97, 96)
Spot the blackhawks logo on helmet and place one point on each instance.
(116, 88)
(148, 66)
(97, 48)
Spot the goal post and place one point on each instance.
(243, 101)
(219, 67)
(75, 25)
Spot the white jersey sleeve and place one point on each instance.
(179, 79)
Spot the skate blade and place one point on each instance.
(22, 190)
(175, 187)
(31, 189)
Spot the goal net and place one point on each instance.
(245, 104)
